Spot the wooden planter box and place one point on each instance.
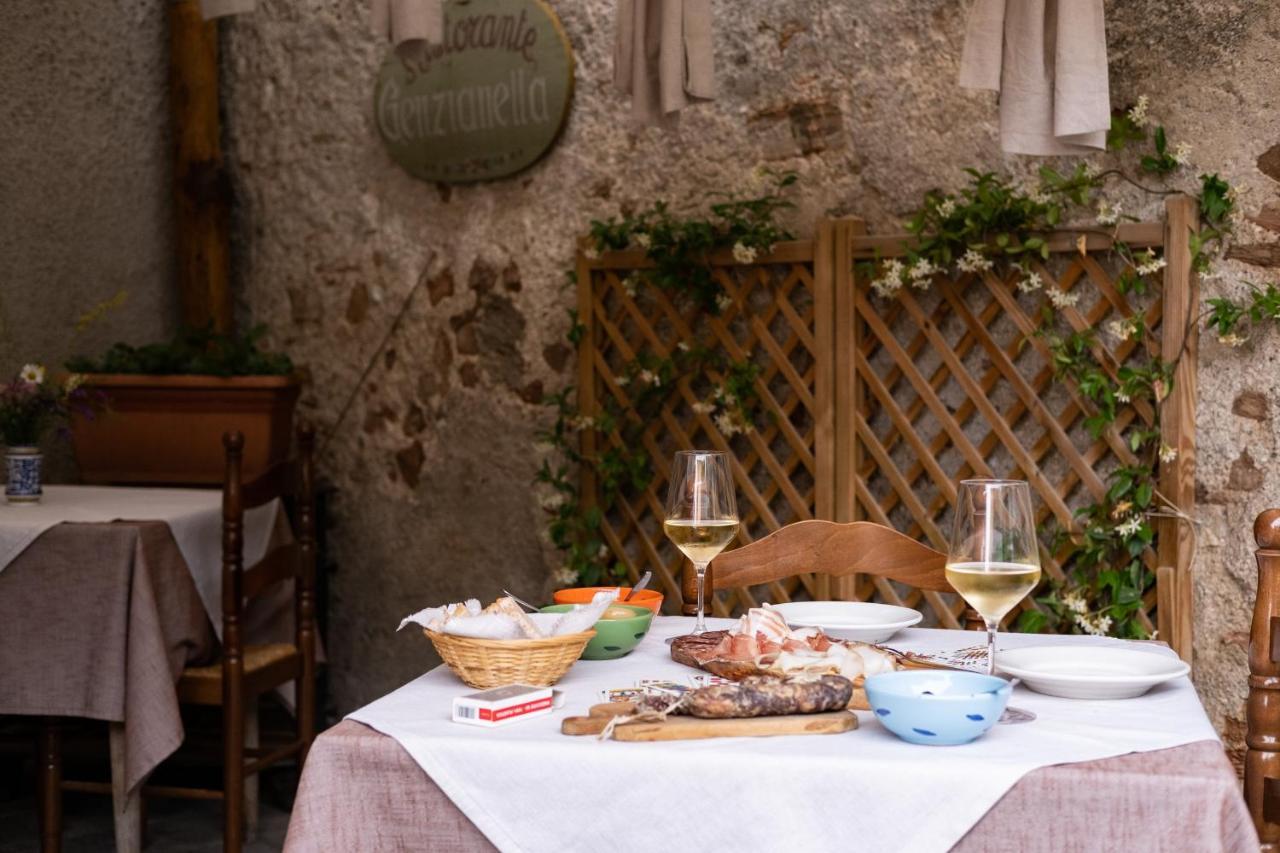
(168, 429)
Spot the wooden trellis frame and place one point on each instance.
(873, 407)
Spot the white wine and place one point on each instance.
(993, 588)
(700, 540)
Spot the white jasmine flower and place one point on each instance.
(886, 286)
(1061, 298)
(564, 576)
(1167, 453)
(1120, 328)
(723, 301)
(582, 422)
(1091, 170)
(921, 273)
(683, 346)
(1075, 602)
(1232, 340)
(743, 253)
(1138, 112)
(1122, 397)
(973, 261)
(726, 424)
(629, 285)
(644, 241)
(1182, 153)
(32, 374)
(1131, 526)
(1039, 196)
(591, 253)
(602, 552)
(1151, 264)
(946, 208)
(703, 407)
(622, 381)
(1098, 626)
(554, 501)
(648, 377)
(1031, 283)
(1108, 213)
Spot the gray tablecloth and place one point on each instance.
(361, 791)
(97, 621)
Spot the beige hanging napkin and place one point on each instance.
(663, 56)
(1048, 61)
(210, 9)
(409, 24)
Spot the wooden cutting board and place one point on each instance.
(695, 728)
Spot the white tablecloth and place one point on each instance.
(529, 788)
(193, 515)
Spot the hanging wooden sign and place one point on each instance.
(487, 102)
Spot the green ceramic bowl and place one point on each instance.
(614, 637)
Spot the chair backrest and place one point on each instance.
(1262, 759)
(289, 479)
(826, 547)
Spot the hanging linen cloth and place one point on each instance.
(409, 24)
(210, 9)
(663, 56)
(1048, 61)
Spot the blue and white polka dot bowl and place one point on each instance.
(937, 707)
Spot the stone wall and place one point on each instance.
(433, 462)
(84, 177)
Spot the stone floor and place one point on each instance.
(173, 826)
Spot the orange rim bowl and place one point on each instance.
(649, 598)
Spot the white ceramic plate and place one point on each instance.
(1089, 672)
(850, 620)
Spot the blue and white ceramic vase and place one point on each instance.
(24, 465)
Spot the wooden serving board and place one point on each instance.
(696, 728)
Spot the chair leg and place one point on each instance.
(251, 740)
(50, 762)
(233, 788)
(128, 805)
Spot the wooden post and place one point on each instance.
(1179, 341)
(848, 389)
(826, 439)
(50, 778)
(202, 196)
(1262, 757)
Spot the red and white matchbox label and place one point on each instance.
(502, 705)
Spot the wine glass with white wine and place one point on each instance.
(702, 512)
(994, 560)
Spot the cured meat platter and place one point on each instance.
(695, 728)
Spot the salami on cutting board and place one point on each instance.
(694, 728)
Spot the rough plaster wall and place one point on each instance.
(84, 177)
(434, 462)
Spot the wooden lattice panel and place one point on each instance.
(954, 381)
(874, 408)
(770, 322)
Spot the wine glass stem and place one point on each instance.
(992, 625)
(701, 626)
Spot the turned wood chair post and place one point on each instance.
(233, 709)
(50, 784)
(1262, 758)
(305, 599)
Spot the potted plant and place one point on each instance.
(170, 403)
(29, 406)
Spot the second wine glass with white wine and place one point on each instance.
(994, 561)
(702, 512)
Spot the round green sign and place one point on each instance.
(485, 103)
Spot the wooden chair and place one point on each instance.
(1262, 758)
(830, 548)
(245, 672)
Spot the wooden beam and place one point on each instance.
(1179, 342)
(202, 196)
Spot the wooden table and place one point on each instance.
(99, 621)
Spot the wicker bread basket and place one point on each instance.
(492, 663)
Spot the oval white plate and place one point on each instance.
(1089, 672)
(849, 620)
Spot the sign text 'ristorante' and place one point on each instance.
(487, 102)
